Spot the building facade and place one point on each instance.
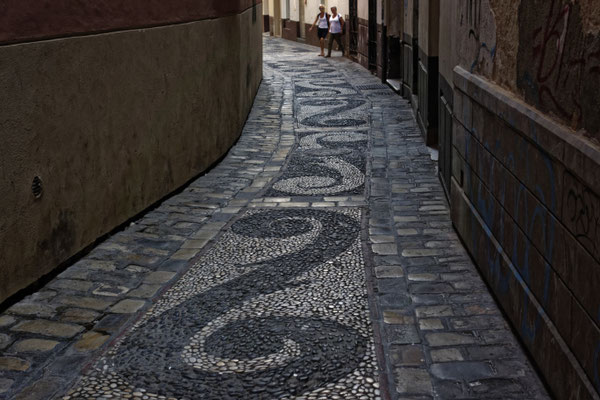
(508, 93)
(292, 19)
(107, 108)
(518, 162)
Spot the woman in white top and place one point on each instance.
(336, 27)
(323, 26)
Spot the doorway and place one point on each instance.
(373, 35)
(301, 18)
(353, 21)
(415, 49)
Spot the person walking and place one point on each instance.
(336, 27)
(322, 22)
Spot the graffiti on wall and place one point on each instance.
(581, 214)
(514, 153)
(519, 215)
(478, 30)
(558, 64)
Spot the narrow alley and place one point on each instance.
(317, 260)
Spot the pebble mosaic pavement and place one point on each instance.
(316, 261)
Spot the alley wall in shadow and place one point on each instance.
(107, 111)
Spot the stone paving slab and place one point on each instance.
(316, 261)
(464, 347)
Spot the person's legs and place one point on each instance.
(338, 39)
(341, 42)
(322, 33)
(330, 45)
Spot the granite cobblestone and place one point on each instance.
(131, 267)
(464, 337)
(436, 329)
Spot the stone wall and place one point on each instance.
(524, 192)
(114, 121)
(525, 201)
(517, 128)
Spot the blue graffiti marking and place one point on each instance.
(539, 214)
(483, 46)
(534, 218)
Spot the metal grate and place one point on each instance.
(372, 87)
(388, 93)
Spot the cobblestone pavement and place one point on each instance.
(316, 261)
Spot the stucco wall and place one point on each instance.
(448, 19)
(295, 10)
(113, 122)
(394, 17)
(311, 11)
(408, 17)
(271, 6)
(363, 9)
(423, 25)
(558, 61)
(429, 12)
(25, 20)
(293, 28)
(475, 31)
(342, 6)
(312, 8)
(546, 52)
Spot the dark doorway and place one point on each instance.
(384, 46)
(353, 29)
(373, 35)
(415, 49)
